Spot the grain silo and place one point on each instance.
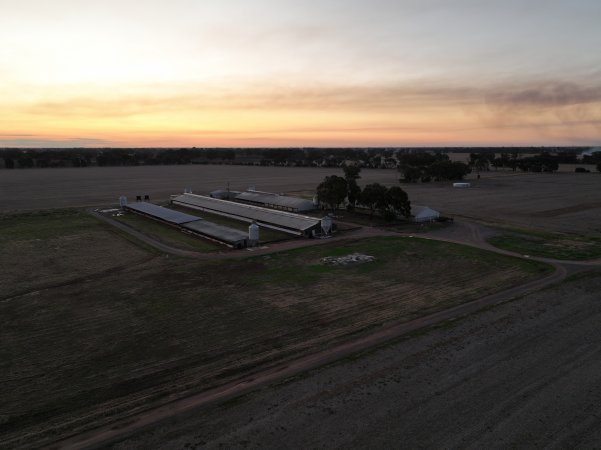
(253, 234)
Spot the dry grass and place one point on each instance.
(48, 248)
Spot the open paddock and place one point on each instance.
(104, 342)
(524, 374)
(91, 186)
(568, 202)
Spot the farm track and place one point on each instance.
(472, 236)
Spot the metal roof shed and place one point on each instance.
(277, 220)
(230, 236)
(158, 212)
(276, 201)
(193, 224)
(424, 214)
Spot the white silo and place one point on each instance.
(122, 201)
(315, 201)
(326, 225)
(253, 234)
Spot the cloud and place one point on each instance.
(273, 97)
(552, 94)
(536, 108)
(42, 142)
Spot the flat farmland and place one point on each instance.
(118, 339)
(57, 188)
(525, 374)
(567, 202)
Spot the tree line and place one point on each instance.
(416, 164)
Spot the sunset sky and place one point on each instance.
(290, 73)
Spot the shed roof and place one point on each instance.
(213, 230)
(250, 212)
(300, 204)
(168, 215)
(420, 212)
(189, 222)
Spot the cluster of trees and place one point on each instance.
(389, 202)
(426, 167)
(541, 162)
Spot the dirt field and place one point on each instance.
(55, 188)
(99, 338)
(526, 374)
(566, 202)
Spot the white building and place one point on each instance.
(424, 214)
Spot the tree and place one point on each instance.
(351, 172)
(351, 175)
(332, 191)
(410, 174)
(481, 161)
(416, 166)
(544, 162)
(599, 167)
(447, 170)
(374, 197)
(398, 201)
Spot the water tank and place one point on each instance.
(253, 233)
(122, 201)
(326, 225)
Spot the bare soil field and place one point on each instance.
(525, 374)
(107, 338)
(567, 202)
(56, 188)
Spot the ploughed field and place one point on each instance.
(103, 328)
(567, 202)
(525, 374)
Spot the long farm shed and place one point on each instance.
(276, 201)
(192, 224)
(269, 218)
